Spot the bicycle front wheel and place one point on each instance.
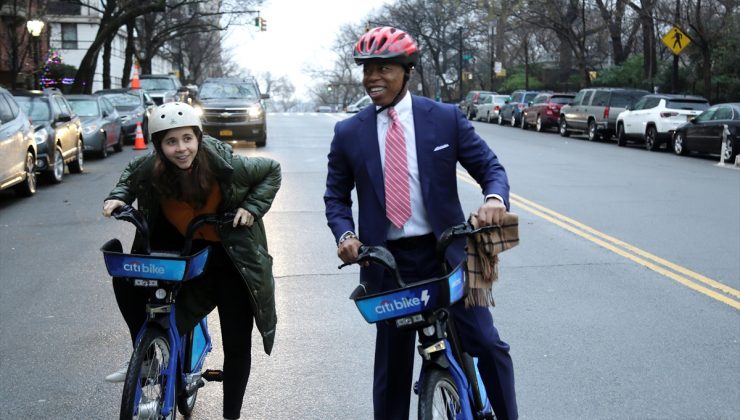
(146, 377)
(439, 397)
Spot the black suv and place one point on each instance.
(58, 132)
(232, 109)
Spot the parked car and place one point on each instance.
(594, 111)
(101, 125)
(162, 88)
(704, 133)
(489, 107)
(654, 118)
(232, 109)
(359, 104)
(133, 107)
(58, 132)
(17, 148)
(511, 112)
(544, 110)
(467, 105)
(323, 108)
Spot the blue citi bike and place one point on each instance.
(165, 369)
(449, 384)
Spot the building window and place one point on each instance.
(63, 7)
(69, 36)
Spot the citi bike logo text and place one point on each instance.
(402, 303)
(136, 267)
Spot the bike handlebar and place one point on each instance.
(129, 214)
(380, 255)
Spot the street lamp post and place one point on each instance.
(35, 26)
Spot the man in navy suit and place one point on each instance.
(401, 155)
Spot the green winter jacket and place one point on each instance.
(249, 183)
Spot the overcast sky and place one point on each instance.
(299, 34)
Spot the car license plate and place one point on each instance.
(225, 133)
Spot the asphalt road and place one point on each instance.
(621, 302)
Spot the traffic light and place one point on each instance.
(257, 22)
(263, 24)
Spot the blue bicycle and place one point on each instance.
(449, 385)
(165, 367)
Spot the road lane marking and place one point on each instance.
(642, 257)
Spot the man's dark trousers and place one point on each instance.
(394, 349)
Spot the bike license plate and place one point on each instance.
(225, 133)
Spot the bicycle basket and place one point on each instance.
(413, 299)
(153, 267)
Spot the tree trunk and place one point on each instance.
(130, 51)
(106, 62)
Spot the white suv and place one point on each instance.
(654, 118)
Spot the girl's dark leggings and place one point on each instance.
(220, 287)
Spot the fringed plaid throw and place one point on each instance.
(482, 258)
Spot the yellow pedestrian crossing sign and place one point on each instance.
(676, 40)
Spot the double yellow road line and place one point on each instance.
(682, 275)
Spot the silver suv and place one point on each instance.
(594, 111)
(17, 148)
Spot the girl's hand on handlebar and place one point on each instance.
(348, 251)
(110, 205)
(492, 212)
(243, 218)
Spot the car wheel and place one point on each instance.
(564, 128)
(651, 138)
(118, 147)
(469, 114)
(28, 187)
(679, 144)
(56, 174)
(262, 142)
(488, 117)
(513, 120)
(593, 135)
(78, 165)
(621, 137)
(732, 149)
(523, 123)
(538, 124)
(500, 119)
(104, 148)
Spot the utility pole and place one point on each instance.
(674, 78)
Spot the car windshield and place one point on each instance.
(687, 104)
(622, 99)
(561, 99)
(84, 107)
(123, 101)
(529, 96)
(37, 109)
(158, 84)
(213, 90)
(500, 99)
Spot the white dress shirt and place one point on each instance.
(418, 223)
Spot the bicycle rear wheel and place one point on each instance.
(184, 403)
(439, 397)
(146, 374)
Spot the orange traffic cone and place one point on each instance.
(139, 143)
(135, 83)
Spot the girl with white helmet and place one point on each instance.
(190, 174)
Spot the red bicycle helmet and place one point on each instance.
(386, 43)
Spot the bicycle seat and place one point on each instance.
(157, 266)
(416, 298)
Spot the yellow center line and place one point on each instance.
(603, 240)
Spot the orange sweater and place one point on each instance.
(180, 213)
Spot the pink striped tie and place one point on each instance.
(396, 174)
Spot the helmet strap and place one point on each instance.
(397, 98)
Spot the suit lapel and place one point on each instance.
(371, 151)
(425, 135)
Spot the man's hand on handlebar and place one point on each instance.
(110, 205)
(348, 251)
(243, 218)
(492, 212)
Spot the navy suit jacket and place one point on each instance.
(443, 138)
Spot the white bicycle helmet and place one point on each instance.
(173, 115)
